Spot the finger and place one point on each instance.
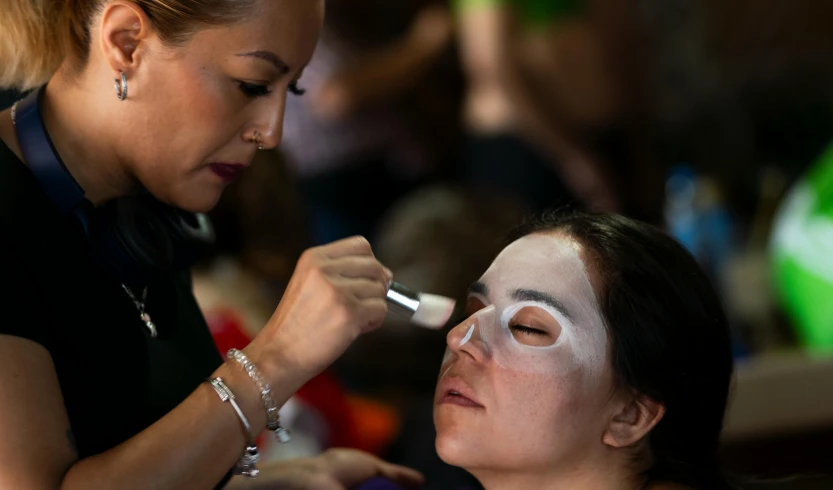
(356, 245)
(406, 477)
(369, 299)
(362, 289)
(361, 267)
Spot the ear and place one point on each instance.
(124, 32)
(633, 421)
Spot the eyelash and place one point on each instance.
(294, 89)
(254, 90)
(528, 330)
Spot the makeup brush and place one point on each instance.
(425, 310)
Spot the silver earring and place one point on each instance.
(121, 86)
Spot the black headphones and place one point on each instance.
(134, 239)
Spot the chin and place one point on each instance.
(453, 434)
(455, 449)
(197, 202)
(449, 450)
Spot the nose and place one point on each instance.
(270, 121)
(466, 339)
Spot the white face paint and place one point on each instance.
(467, 337)
(560, 305)
(532, 354)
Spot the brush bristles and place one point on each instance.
(434, 311)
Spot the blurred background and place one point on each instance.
(433, 128)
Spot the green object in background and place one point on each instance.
(802, 254)
(534, 13)
(538, 13)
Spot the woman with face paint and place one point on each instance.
(139, 115)
(595, 356)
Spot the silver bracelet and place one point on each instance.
(246, 465)
(273, 421)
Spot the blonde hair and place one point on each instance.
(37, 36)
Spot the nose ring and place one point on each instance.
(256, 140)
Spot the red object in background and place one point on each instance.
(352, 422)
(375, 424)
(226, 327)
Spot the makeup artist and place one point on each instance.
(139, 113)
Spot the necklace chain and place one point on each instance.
(14, 113)
(140, 305)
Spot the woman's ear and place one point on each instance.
(633, 421)
(124, 32)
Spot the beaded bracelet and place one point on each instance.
(273, 421)
(246, 464)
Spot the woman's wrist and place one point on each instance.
(277, 370)
(246, 394)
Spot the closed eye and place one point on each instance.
(253, 90)
(534, 326)
(523, 329)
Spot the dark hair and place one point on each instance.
(669, 337)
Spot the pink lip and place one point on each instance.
(227, 172)
(455, 391)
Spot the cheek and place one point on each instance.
(542, 414)
(203, 99)
(194, 110)
(538, 400)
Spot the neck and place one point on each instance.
(597, 478)
(85, 137)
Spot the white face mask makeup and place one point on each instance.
(546, 324)
(524, 377)
(519, 350)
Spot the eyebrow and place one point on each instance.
(270, 57)
(479, 288)
(541, 297)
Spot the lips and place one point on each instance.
(227, 172)
(454, 391)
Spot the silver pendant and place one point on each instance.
(151, 326)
